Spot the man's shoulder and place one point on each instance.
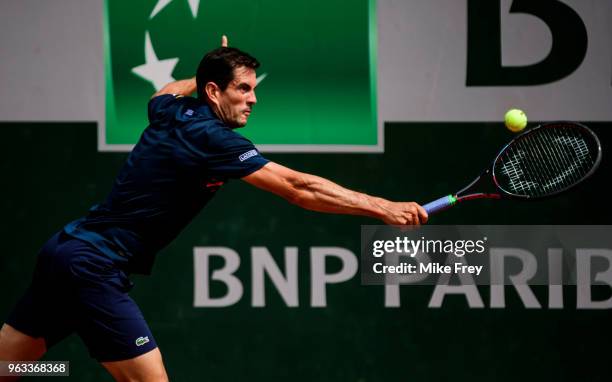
(161, 108)
(173, 109)
(165, 100)
(214, 132)
(197, 122)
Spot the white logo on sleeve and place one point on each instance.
(248, 155)
(142, 340)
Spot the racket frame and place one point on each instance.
(510, 195)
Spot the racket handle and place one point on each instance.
(440, 204)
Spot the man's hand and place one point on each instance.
(403, 213)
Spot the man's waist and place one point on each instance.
(118, 245)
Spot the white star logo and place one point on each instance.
(161, 4)
(154, 70)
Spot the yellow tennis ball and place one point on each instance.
(515, 120)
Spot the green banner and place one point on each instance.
(317, 89)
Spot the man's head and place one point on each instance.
(226, 80)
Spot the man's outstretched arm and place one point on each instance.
(319, 194)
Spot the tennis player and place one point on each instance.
(185, 155)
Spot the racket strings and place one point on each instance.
(572, 173)
(548, 151)
(558, 160)
(513, 169)
(546, 160)
(563, 161)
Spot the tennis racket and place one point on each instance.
(539, 163)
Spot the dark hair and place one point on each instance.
(218, 66)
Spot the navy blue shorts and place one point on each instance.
(75, 288)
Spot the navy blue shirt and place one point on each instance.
(183, 157)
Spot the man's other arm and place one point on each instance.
(318, 194)
(182, 87)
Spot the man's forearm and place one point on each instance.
(319, 194)
(182, 87)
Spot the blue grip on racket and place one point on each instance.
(440, 204)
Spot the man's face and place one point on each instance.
(235, 103)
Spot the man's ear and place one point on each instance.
(213, 92)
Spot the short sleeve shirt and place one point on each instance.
(182, 159)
